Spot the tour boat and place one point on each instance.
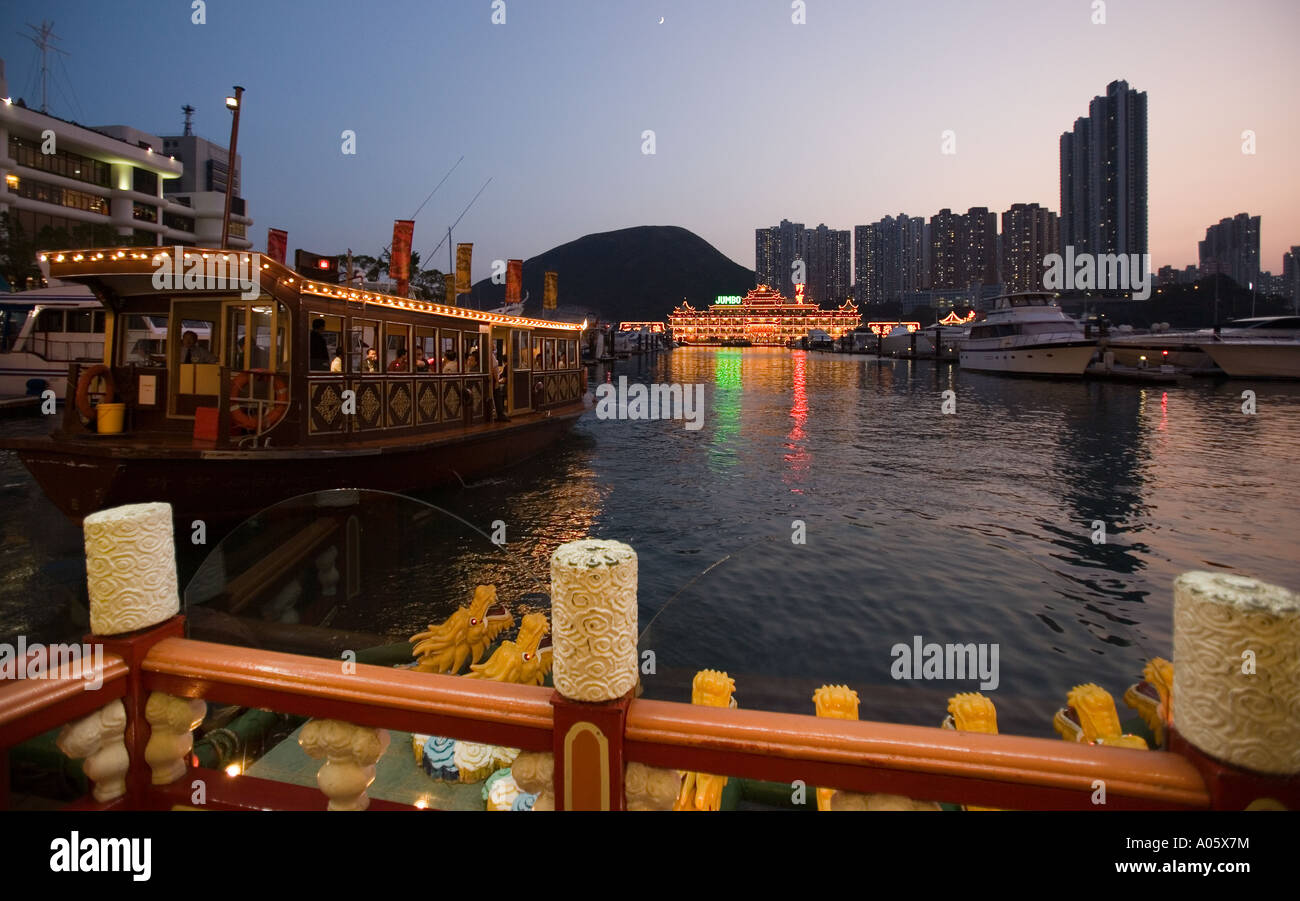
(234, 392)
(1028, 334)
(41, 332)
(1264, 347)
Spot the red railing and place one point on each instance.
(920, 762)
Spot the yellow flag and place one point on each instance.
(550, 291)
(463, 254)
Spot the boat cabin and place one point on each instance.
(200, 345)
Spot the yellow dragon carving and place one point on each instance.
(701, 791)
(520, 661)
(838, 702)
(465, 635)
(1091, 717)
(1152, 698)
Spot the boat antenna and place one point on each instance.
(452, 266)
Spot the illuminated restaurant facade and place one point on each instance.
(763, 316)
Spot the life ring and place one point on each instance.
(278, 409)
(88, 410)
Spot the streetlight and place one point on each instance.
(234, 104)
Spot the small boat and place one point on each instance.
(1266, 347)
(1028, 334)
(222, 395)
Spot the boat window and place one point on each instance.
(99, 322)
(325, 335)
(260, 324)
(549, 353)
(145, 339)
(50, 321)
(449, 359)
(236, 330)
(425, 349)
(397, 347)
(573, 353)
(519, 356)
(364, 346)
(473, 358)
(537, 353)
(81, 321)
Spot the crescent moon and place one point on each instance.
(661, 20)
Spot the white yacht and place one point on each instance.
(1028, 334)
(1261, 347)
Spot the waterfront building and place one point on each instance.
(828, 257)
(111, 180)
(890, 258)
(947, 253)
(1029, 233)
(764, 316)
(766, 241)
(1104, 175)
(979, 240)
(1291, 274)
(1231, 248)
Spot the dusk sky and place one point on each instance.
(755, 118)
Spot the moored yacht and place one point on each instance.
(1262, 347)
(1028, 334)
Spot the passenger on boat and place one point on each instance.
(499, 388)
(449, 361)
(336, 365)
(399, 362)
(320, 351)
(471, 361)
(372, 360)
(192, 353)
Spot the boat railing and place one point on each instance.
(135, 728)
(921, 762)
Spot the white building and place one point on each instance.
(62, 175)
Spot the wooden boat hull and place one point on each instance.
(224, 486)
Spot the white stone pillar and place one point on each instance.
(130, 568)
(99, 738)
(172, 722)
(350, 754)
(594, 615)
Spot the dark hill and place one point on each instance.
(631, 274)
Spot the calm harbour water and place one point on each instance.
(971, 527)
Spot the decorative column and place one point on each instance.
(172, 722)
(134, 604)
(1237, 688)
(350, 754)
(594, 616)
(99, 738)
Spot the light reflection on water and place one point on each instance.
(974, 527)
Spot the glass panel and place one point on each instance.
(472, 357)
(537, 353)
(99, 322)
(325, 335)
(550, 353)
(196, 341)
(365, 346)
(81, 321)
(397, 344)
(519, 356)
(260, 324)
(450, 358)
(236, 331)
(426, 349)
(145, 339)
(50, 321)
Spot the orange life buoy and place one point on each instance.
(84, 406)
(240, 382)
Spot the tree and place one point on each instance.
(17, 254)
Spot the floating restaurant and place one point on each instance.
(762, 317)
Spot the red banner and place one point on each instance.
(277, 244)
(514, 279)
(399, 258)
